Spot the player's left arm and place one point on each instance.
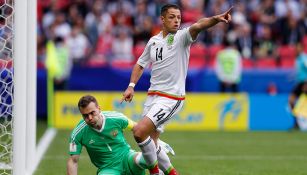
(72, 165)
(131, 124)
(125, 122)
(205, 23)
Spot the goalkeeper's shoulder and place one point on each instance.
(120, 117)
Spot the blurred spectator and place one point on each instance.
(122, 46)
(303, 21)
(97, 22)
(58, 62)
(238, 16)
(61, 26)
(142, 23)
(49, 15)
(78, 45)
(228, 67)
(104, 44)
(284, 7)
(290, 31)
(267, 12)
(216, 7)
(41, 49)
(143, 34)
(192, 10)
(264, 44)
(244, 41)
(73, 14)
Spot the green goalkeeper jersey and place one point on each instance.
(106, 147)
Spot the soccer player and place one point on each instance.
(101, 133)
(300, 89)
(168, 53)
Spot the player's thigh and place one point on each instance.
(163, 109)
(135, 164)
(109, 172)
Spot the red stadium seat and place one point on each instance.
(197, 56)
(191, 16)
(287, 63)
(197, 63)
(266, 63)
(122, 64)
(97, 61)
(212, 52)
(305, 43)
(138, 50)
(198, 50)
(104, 45)
(287, 52)
(247, 63)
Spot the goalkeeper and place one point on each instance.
(101, 133)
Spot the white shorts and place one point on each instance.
(161, 109)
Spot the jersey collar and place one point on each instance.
(103, 123)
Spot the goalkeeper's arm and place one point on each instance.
(72, 165)
(131, 124)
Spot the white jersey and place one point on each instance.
(169, 58)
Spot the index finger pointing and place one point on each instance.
(229, 10)
(123, 98)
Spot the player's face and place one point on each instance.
(171, 20)
(91, 115)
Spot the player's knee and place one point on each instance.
(139, 133)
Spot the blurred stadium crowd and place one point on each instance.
(114, 32)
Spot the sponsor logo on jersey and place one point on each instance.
(91, 141)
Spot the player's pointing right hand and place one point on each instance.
(128, 95)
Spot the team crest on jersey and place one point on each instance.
(170, 41)
(114, 133)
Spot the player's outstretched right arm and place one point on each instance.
(72, 165)
(135, 76)
(205, 23)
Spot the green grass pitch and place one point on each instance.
(208, 153)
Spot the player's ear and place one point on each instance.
(162, 18)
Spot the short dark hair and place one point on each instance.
(86, 100)
(166, 7)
